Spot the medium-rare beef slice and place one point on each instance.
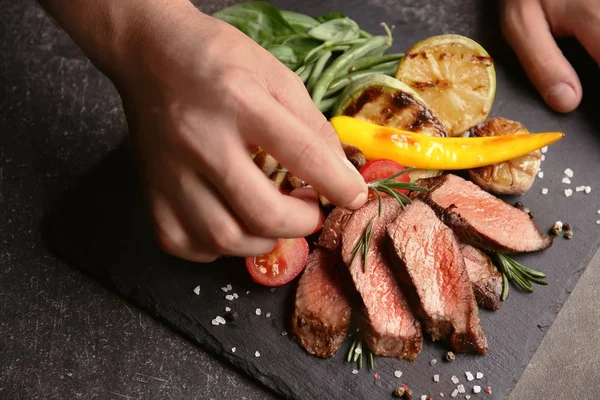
(331, 234)
(428, 257)
(390, 329)
(322, 311)
(485, 278)
(479, 218)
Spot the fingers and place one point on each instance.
(525, 27)
(303, 151)
(587, 31)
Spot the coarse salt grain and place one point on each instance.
(358, 350)
(227, 309)
(398, 374)
(220, 320)
(598, 221)
(268, 314)
(468, 396)
(229, 287)
(247, 292)
(461, 388)
(229, 297)
(272, 290)
(436, 378)
(566, 180)
(568, 192)
(441, 394)
(433, 362)
(476, 389)
(454, 379)
(454, 393)
(541, 174)
(543, 157)
(214, 322)
(256, 354)
(544, 191)
(580, 188)
(424, 397)
(284, 333)
(235, 296)
(233, 349)
(354, 371)
(258, 311)
(588, 189)
(197, 290)
(544, 150)
(569, 172)
(598, 212)
(469, 375)
(479, 375)
(224, 289)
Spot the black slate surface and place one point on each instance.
(102, 228)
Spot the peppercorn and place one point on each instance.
(569, 234)
(408, 394)
(531, 214)
(556, 229)
(567, 226)
(520, 205)
(450, 356)
(231, 316)
(399, 392)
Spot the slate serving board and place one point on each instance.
(102, 227)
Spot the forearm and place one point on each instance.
(114, 33)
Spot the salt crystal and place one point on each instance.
(598, 221)
(227, 309)
(461, 388)
(436, 378)
(424, 397)
(544, 150)
(441, 394)
(220, 320)
(569, 172)
(479, 375)
(454, 393)
(543, 157)
(235, 296)
(588, 190)
(468, 396)
(197, 290)
(224, 289)
(247, 292)
(454, 379)
(476, 389)
(397, 374)
(272, 290)
(566, 180)
(580, 188)
(470, 376)
(256, 354)
(229, 297)
(544, 191)
(233, 349)
(598, 212)
(214, 322)
(229, 287)
(541, 174)
(568, 192)
(354, 371)
(433, 362)
(358, 350)
(268, 314)
(258, 311)
(284, 333)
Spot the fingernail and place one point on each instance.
(562, 97)
(358, 201)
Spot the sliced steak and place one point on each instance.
(391, 329)
(429, 260)
(322, 311)
(479, 218)
(331, 234)
(485, 278)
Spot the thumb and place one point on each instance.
(526, 29)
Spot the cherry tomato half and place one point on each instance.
(377, 169)
(281, 265)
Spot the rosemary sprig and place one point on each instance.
(355, 353)
(519, 274)
(387, 186)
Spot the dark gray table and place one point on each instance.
(62, 335)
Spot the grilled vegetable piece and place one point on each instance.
(267, 163)
(512, 177)
(354, 155)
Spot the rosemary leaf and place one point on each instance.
(360, 357)
(504, 287)
(368, 236)
(371, 362)
(351, 351)
(358, 354)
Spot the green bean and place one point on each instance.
(326, 46)
(377, 52)
(326, 104)
(318, 69)
(305, 73)
(365, 34)
(340, 83)
(342, 62)
(368, 62)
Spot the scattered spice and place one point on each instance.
(224, 289)
(476, 389)
(229, 297)
(454, 393)
(441, 394)
(450, 356)
(214, 322)
(520, 205)
(454, 379)
(235, 296)
(227, 309)
(569, 234)
(580, 188)
(556, 228)
(566, 180)
(488, 390)
(433, 362)
(588, 189)
(354, 371)
(479, 375)
(408, 393)
(284, 333)
(398, 392)
(376, 376)
(567, 226)
(531, 214)
(436, 378)
(424, 397)
(231, 316)
(569, 172)
(247, 292)
(469, 375)
(229, 287)
(256, 354)
(398, 374)
(272, 290)
(258, 311)
(461, 388)
(220, 320)
(568, 192)
(468, 396)
(544, 191)
(541, 174)
(268, 314)
(233, 349)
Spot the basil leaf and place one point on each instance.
(259, 20)
(331, 15)
(301, 23)
(336, 30)
(302, 45)
(286, 55)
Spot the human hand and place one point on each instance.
(200, 95)
(529, 26)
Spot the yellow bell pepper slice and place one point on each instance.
(426, 152)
